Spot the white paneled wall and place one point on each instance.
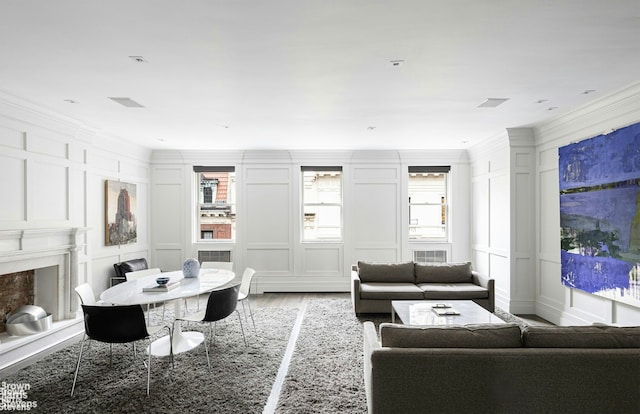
(516, 213)
(269, 216)
(503, 217)
(53, 171)
(268, 232)
(555, 301)
(491, 215)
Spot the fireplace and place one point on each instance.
(16, 289)
(53, 255)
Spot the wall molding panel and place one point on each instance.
(268, 230)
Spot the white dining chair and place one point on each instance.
(243, 294)
(214, 265)
(140, 274)
(220, 304)
(86, 294)
(217, 265)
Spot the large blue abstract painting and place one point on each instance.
(600, 215)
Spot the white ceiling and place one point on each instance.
(292, 74)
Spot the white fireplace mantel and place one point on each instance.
(29, 249)
(56, 251)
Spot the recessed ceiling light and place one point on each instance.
(552, 108)
(396, 63)
(71, 101)
(128, 102)
(588, 91)
(138, 59)
(492, 102)
(371, 128)
(539, 101)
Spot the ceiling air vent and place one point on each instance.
(492, 102)
(128, 102)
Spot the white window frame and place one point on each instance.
(303, 203)
(445, 205)
(197, 170)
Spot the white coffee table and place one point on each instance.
(420, 312)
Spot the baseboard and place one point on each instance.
(300, 284)
(17, 353)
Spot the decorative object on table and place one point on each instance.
(445, 311)
(162, 280)
(191, 268)
(162, 287)
(120, 213)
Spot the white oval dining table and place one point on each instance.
(131, 293)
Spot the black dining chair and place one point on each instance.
(115, 325)
(220, 304)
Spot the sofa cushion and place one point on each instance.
(443, 272)
(581, 337)
(451, 336)
(390, 291)
(460, 291)
(386, 272)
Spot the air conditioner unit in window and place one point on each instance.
(214, 256)
(430, 256)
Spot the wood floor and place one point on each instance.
(295, 299)
(291, 299)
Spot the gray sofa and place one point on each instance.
(499, 369)
(375, 285)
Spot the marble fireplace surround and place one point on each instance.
(53, 253)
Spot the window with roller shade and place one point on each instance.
(321, 203)
(428, 202)
(216, 203)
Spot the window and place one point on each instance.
(428, 208)
(216, 203)
(321, 203)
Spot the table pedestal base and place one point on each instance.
(182, 342)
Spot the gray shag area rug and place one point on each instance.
(240, 379)
(510, 318)
(326, 370)
(325, 374)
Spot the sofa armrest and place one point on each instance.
(480, 279)
(370, 344)
(355, 289)
(487, 283)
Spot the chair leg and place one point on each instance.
(241, 328)
(250, 314)
(171, 346)
(149, 368)
(75, 376)
(206, 348)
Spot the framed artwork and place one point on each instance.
(120, 213)
(600, 215)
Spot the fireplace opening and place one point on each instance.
(16, 289)
(39, 287)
